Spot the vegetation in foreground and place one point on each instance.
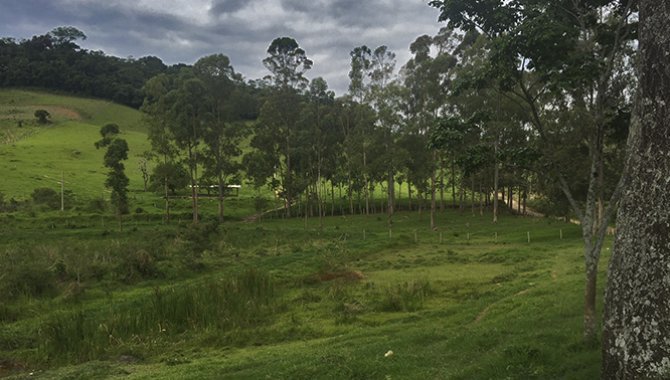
(350, 300)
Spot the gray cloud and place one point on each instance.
(183, 30)
(227, 6)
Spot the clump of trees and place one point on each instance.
(195, 119)
(566, 67)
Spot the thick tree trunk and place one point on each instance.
(590, 301)
(351, 203)
(510, 199)
(636, 339)
(332, 199)
(481, 199)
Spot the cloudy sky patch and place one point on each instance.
(185, 30)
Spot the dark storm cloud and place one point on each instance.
(183, 31)
(227, 6)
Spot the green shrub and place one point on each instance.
(136, 264)
(408, 296)
(47, 197)
(25, 273)
(199, 237)
(97, 205)
(42, 116)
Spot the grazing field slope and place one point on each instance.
(34, 155)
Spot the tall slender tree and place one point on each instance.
(276, 126)
(117, 181)
(221, 135)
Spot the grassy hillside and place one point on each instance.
(35, 155)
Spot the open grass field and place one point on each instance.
(280, 300)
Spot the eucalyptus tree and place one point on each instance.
(426, 79)
(177, 107)
(189, 112)
(221, 135)
(279, 116)
(155, 109)
(549, 53)
(355, 122)
(373, 82)
(319, 139)
(636, 339)
(358, 89)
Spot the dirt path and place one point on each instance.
(256, 217)
(528, 211)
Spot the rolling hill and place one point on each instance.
(34, 155)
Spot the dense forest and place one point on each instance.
(56, 62)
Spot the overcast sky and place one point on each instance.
(185, 30)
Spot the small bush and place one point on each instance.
(199, 237)
(334, 256)
(97, 205)
(136, 264)
(46, 197)
(25, 273)
(408, 296)
(42, 116)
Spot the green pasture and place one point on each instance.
(64, 147)
(472, 300)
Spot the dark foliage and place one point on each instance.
(54, 61)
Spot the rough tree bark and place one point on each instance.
(637, 312)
